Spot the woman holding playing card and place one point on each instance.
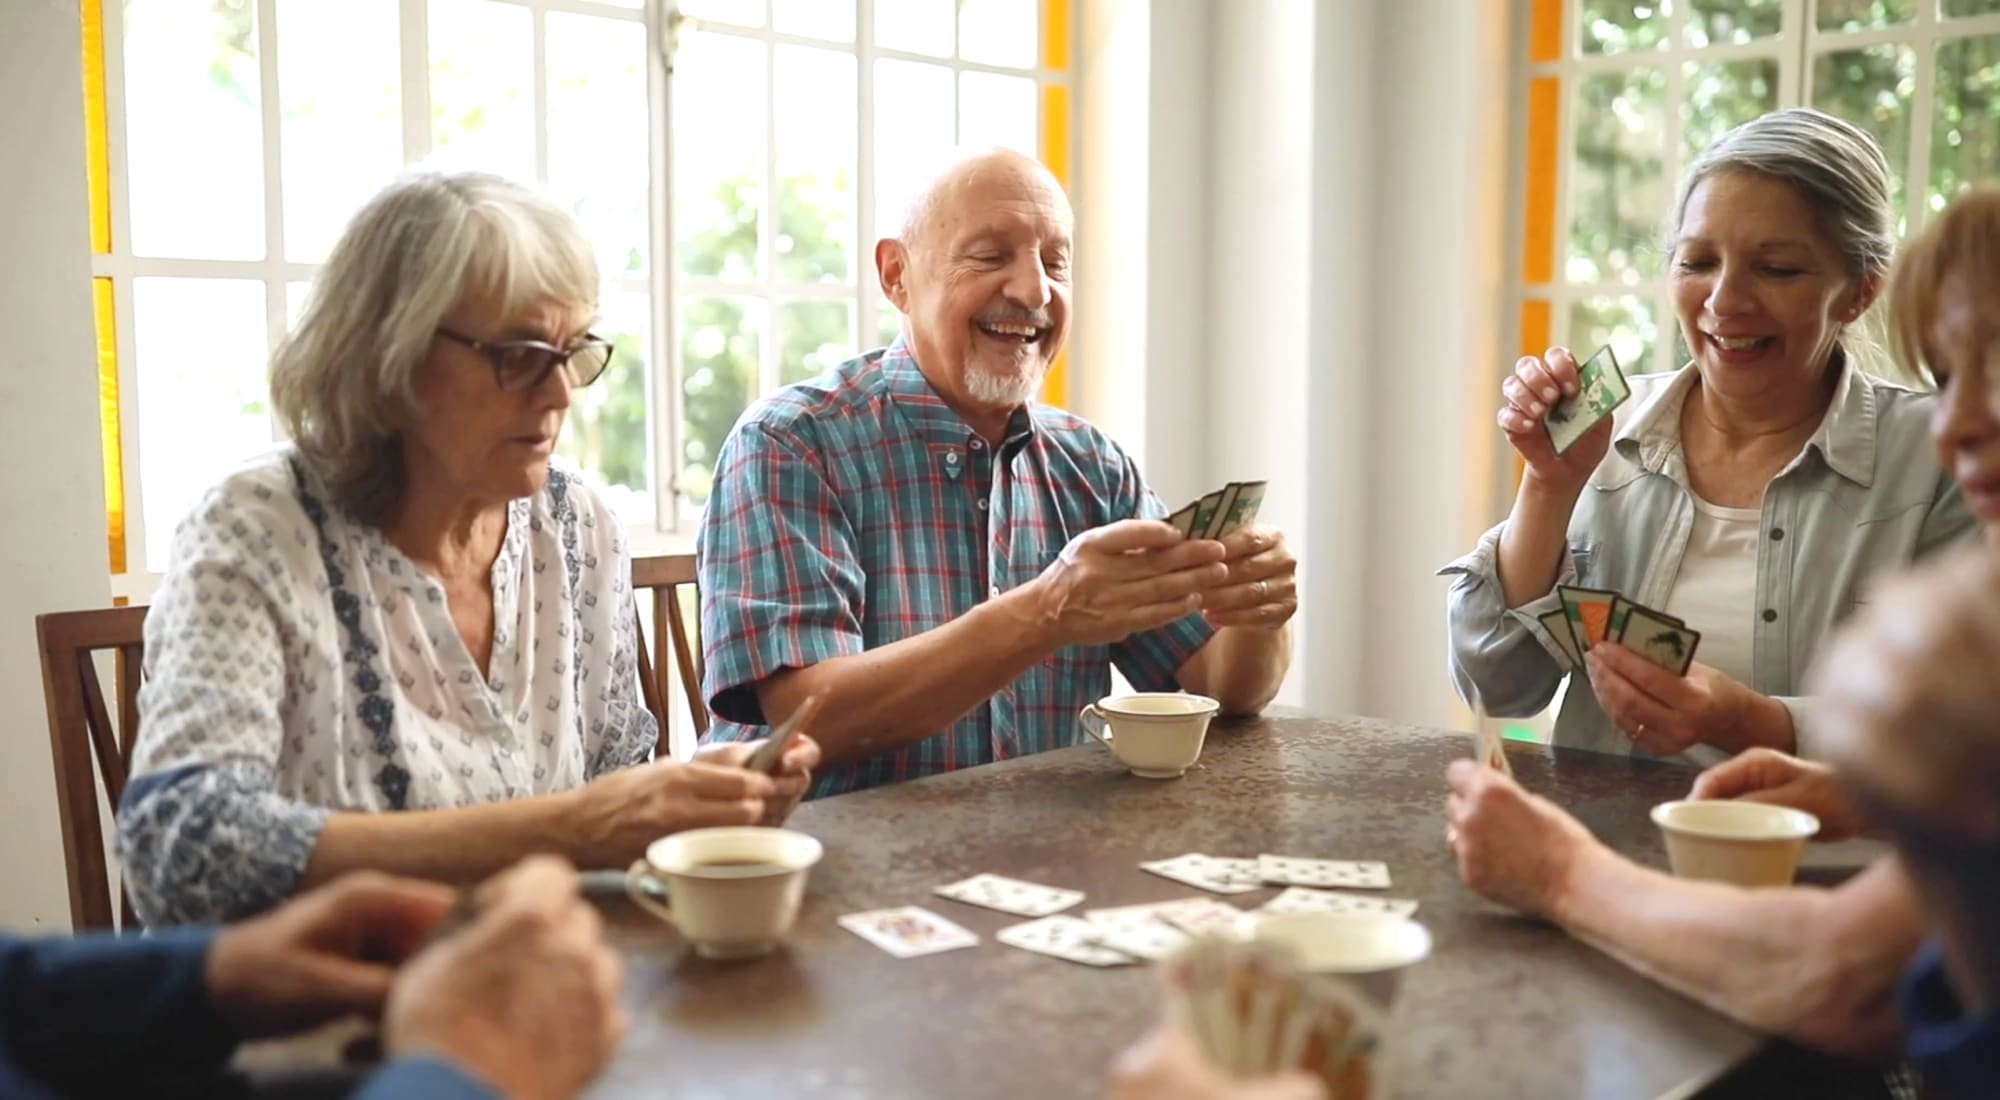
(1745, 501)
(1909, 694)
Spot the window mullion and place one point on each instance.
(868, 297)
(767, 226)
(416, 89)
(538, 34)
(665, 355)
(1923, 102)
(272, 117)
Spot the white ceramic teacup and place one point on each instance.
(1747, 843)
(731, 892)
(1373, 948)
(1158, 734)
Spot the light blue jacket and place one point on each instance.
(1865, 497)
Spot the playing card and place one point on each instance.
(1204, 513)
(1241, 510)
(908, 931)
(1489, 748)
(1204, 916)
(1064, 937)
(1622, 607)
(1148, 939)
(1222, 509)
(1589, 611)
(1303, 899)
(1602, 388)
(1299, 871)
(1215, 874)
(772, 752)
(1556, 622)
(1008, 895)
(1663, 641)
(1183, 520)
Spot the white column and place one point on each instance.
(52, 556)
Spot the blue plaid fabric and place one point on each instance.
(857, 509)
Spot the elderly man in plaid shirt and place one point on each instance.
(953, 567)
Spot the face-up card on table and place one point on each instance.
(1601, 388)
(1589, 611)
(1147, 939)
(1239, 511)
(1556, 622)
(1064, 937)
(1216, 874)
(907, 931)
(1204, 917)
(1665, 642)
(1008, 895)
(1304, 899)
(1299, 871)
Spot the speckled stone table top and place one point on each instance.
(1504, 1007)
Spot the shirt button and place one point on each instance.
(1770, 615)
(951, 458)
(978, 444)
(994, 591)
(982, 505)
(1777, 534)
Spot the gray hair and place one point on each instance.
(341, 382)
(1836, 166)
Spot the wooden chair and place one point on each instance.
(86, 746)
(665, 575)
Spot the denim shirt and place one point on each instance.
(1865, 496)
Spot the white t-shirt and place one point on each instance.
(1716, 593)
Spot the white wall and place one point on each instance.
(1324, 189)
(52, 555)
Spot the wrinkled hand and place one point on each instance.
(1261, 588)
(615, 816)
(1167, 1065)
(326, 954)
(1115, 581)
(525, 997)
(1767, 775)
(1513, 847)
(1665, 714)
(1535, 387)
(1906, 695)
(794, 771)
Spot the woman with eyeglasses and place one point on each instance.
(405, 641)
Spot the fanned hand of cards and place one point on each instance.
(1253, 1012)
(1592, 615)
(1220, 512)
(1601, 389)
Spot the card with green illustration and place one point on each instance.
(1601, 389)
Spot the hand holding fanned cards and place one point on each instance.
(1221, 512)
(1595, 615)
(1601, 389)
(1253, 1013)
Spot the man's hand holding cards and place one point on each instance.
(1261, 588)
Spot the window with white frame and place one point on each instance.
(731, 161)
(1621, 94)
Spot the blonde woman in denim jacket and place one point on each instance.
(1755, 492)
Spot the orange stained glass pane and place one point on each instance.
(1055, 34)
(1544, 161)
(108, 424)
(97, 142)
(1545, 30)
(1055, 154)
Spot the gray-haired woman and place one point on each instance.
(410, 608)
(1753, 495)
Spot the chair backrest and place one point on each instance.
(665, 575)
(86, 745)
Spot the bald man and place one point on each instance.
(951, 565)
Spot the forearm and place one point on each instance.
(896, 695)
(1814, 965)
(1534, 541)
(1240, 667)
(460, 845)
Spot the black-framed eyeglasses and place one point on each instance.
(524, 364)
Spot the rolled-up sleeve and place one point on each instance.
(202, 834)
(779, 571)
(1501, 657)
